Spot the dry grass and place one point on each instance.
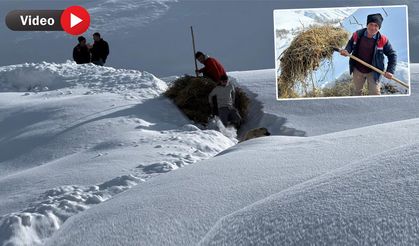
(304, 55)
(190, 94)
(342, 87)
(345, 87)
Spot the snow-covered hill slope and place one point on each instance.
(372, 201)
(81, 135)
(320, 116)
(179, 208)
(78, 143)
(351, 170)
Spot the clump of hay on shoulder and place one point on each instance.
(190, 94)
(305, 54)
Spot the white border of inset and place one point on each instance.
(342, 97)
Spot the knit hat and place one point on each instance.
(376, 18)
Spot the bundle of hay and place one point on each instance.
(190, 94)
(305, 54)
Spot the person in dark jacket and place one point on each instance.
(212, 68)
(370, 45)
(99, 50)
(81, 53)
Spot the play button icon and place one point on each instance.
(75, 20)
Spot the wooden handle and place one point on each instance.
(377, 70)
(194, 52)
(374, 68)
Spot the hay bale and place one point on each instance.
(305, 54)
(190, 94)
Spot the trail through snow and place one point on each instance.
(138, 137)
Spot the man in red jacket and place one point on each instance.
(212, 68)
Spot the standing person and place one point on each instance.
(370, 45)
(212, 68)
(225, 94)
(99, 50)
(81, 53)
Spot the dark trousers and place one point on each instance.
(229, 115)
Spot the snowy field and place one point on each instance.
(81, 135)
(97, 156)
(320, 116)
(88, 153)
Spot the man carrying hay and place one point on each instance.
(213, 69)
(225, 94)
(370, 45)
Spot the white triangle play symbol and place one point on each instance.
(74, 20)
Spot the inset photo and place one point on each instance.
(342, 52)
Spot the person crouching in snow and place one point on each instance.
(225, 95)
(212, 68)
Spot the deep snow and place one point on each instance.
(320, 116)
(80, 135)
(372, 201)
(77, 137)
(181, 207)
(87, 153)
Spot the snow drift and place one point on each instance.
(372, 201)
(83, 161)
(181, 207)
(74, 136)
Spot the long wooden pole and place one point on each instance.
(194, 52)
(374, 68)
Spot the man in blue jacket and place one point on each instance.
(370, 45)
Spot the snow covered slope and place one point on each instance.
(81, 135)
(179, 208)
(314, 117)
(369, 171)
(78, 143)
(372, 201)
